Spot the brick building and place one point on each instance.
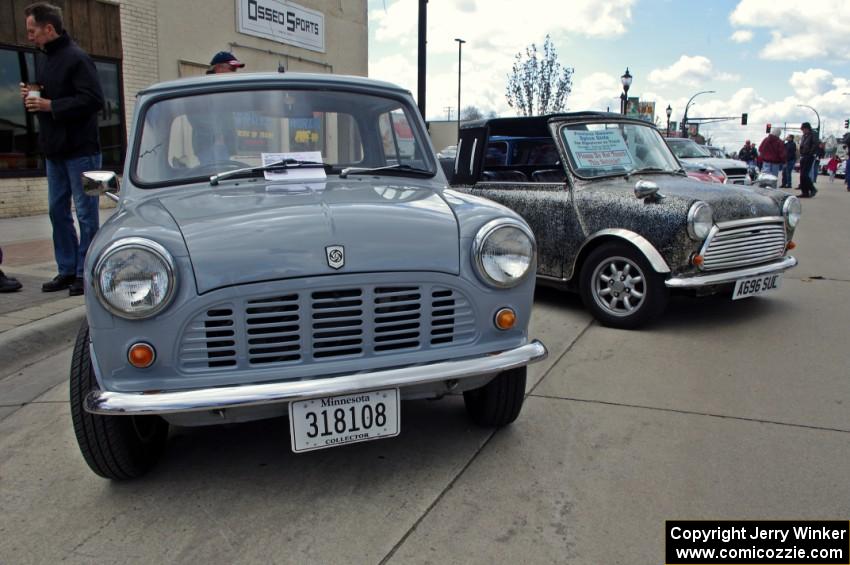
(139, 42)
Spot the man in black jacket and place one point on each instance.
(790, 159)
(66, 100)
(808, 147)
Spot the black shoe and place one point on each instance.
(8, 284)
(805, 196)
(77, 288)
(814, 192)
(59, 282)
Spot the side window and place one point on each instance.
(397, 137)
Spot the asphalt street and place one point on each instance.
(720, 410)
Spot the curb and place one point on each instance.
(39, 339)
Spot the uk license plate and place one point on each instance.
(331, 421)
(744, 288)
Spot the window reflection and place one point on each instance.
(19, 150)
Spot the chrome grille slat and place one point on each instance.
(740, 245)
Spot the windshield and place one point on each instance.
(203, 135)
(600, 149)
(687, 149)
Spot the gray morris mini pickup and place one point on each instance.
(287, 245)
(617, 219)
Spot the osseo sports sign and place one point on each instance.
(282, 21)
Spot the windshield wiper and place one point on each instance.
(648, 170)
(404, 169)
(276, 166)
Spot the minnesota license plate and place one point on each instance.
(744, 288)
(319, 423)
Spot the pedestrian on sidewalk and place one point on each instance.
(790, 159)
(772, 152)
(748, 154)
(832, 166)
(7, 284)
(66, 100)
(808, 147)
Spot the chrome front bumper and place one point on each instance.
(219, 398)
(712, 279)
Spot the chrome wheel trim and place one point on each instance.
(618, 286)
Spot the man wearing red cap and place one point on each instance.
(224, 62)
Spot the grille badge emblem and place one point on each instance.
(336, 256)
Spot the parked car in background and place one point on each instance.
(618, 221)
(702, 172)
(687, 149)
(447, 152)
(258, 276)
(716, 152)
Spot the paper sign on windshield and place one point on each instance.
(295, 173)
(598, 149)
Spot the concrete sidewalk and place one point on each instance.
(34, 324)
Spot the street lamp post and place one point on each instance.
(669, 111)
(460, 43)
(685, 115)
(813, 110)
(626, 79)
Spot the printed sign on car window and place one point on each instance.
(598, 148)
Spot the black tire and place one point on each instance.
(499, 402)
(115, 447)
(623, 261)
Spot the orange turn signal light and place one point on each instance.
(141, 355)
(505, 319)
(697, 260)
(791, 245)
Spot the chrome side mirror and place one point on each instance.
(96, 183)
(647, 190)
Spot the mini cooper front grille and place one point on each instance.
(741, 244)
(324, 325)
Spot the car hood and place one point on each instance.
(728, 202)
(717, 162)
(263, 231)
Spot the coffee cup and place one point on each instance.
(34, 91)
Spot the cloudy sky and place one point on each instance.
(763, 57)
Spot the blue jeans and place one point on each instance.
(771, 168)
(815, 167)
(787, 170)
(64, 183)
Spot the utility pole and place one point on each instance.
(448, 110)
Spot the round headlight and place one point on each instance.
(503, 252)
(792, 209)
(700, 221)
(135, 278)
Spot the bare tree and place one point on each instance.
(539, 85)
(471, 113)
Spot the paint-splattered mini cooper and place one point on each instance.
(287, 244)
(617, 219)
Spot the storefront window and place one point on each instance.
(20, 154)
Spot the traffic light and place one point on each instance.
(744, 119)
(846, 124)
(767, 129)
